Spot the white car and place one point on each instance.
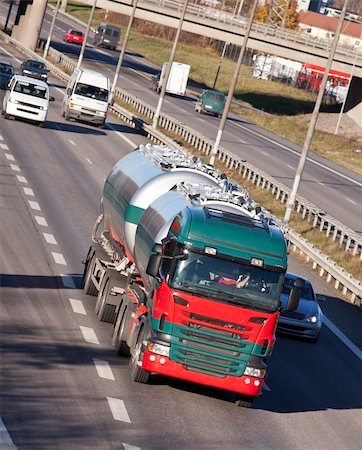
(27, 98)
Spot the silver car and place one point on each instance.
(307, 320)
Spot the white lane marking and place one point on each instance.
(9, 156)
(266, 387)
(290, 167)
(130, 447)
(11, 55)
(5, 439)
(72, 142)
(28, 191)
(298, 154)
(266, 153)
(320, 183)
(89, 161)
(118, 409)
(242, 141)
(342, 337)
(41, 221)
(22, 179)
(103, 369)
(351, 201)
(1, 138)
(68, 281)
(4, 147)
(34, 205)
(50, 238)
(59, 258)
(89, 335)
(15, 167)
(77, 306)
(118, 133)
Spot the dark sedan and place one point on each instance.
(34, 69)
(6, 74)
(307, 320)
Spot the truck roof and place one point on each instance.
(93, 78)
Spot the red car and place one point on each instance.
(74, 36)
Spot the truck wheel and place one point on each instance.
(137, 373)
(245, 401)
(105, 311)
(120, 345)
(87, 282)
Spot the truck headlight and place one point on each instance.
(12, 100)
(43, 108)
(159, 349)
(253, 372)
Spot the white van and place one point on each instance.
(86, 97)
(27, 98)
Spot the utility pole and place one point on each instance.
(168, 68)
(233, 84)
(46, 49)
(314, 118)
(124, 46)
(84, 43)
(220, 62)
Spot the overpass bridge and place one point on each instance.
(223, 26)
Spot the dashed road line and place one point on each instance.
(103, 369)
(118, 409)
(50, 238)
(342, 337)
(9, 156)
(59, 258)
(130, 447)
(89, 161)
(22, 179)
(72, 142)
(28, 191)
(89, 335)
(351, 201)
(77, 306)
(34, 205)
(290, 167)
(266, 153)
(15, 167)
(1, 138)
(41, 221)
(4, 147)
(118, 133)
(242, 141)
(320, 183)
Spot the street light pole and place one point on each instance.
(313, 120)
(124, 46)
(84, 43)
(233, 84)
(220, 62)
(168, 68)
(46, 49)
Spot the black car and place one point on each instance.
(155, 82)
(6, 74)
(34, 69)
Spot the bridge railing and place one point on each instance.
(350, 286)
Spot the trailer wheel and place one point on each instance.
(137, 373)
(87, 282)
(105, 311)
(121, 345)
(245, 401)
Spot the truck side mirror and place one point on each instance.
(153, 266)
(295, 295)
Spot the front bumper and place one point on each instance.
(26, 112)
(299, 328)
(164, 366)
(86, 117)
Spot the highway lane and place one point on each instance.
(52, 391)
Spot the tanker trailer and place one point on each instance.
(190, 273)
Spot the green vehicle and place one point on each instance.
(211, 101)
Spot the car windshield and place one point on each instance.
(227, 281)
(76, 33)
(307, 293)
(35, 65)
(97, 93)
(31, 89)
(5, 68)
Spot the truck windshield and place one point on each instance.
(228, 281)
(31, 89)
(87, 90)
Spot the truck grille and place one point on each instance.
(29, 105)
(207, 345)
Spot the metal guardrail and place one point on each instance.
(350, 286)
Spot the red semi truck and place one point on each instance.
(189, 271)
(310, 78)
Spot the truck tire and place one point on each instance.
(138, 374)
(105, 311)
(245, 401)
(87, 282)
(118, 342)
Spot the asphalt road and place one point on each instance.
(63, 387)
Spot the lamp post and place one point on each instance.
(84, 43)
(46, 49)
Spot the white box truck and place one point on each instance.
(87, 97)
(177, 80)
